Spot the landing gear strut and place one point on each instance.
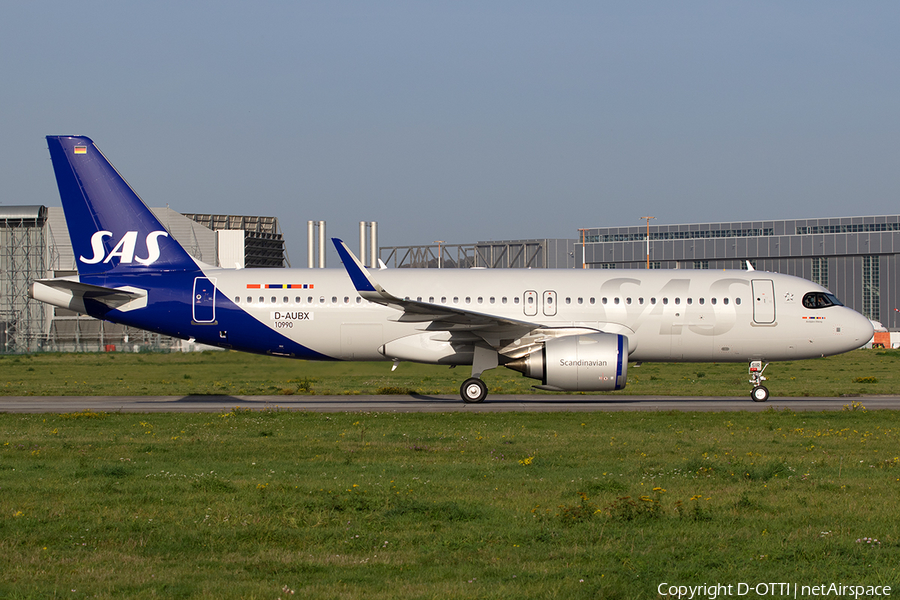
(759, 393)
(474, 389)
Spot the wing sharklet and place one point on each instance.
(416, 311)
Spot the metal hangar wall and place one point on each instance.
(854, 257)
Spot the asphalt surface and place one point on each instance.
(416, 403)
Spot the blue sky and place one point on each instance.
(463, 121)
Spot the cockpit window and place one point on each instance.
(820, 300)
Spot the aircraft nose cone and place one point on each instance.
(859, 329)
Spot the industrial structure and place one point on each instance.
(857, 258)
(34, 244)
(513, 254)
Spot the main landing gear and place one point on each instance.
(759, 393)
(473, 390)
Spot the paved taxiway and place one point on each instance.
(416, 403)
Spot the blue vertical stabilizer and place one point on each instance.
(111, 228)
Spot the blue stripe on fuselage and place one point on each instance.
(169, 312)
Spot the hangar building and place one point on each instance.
(854, 257)
(857, 258)
(34, 244)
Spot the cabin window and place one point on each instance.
(431, 299)
(516, 300)
(285, 300)
(712, 301)
(677, 300)
(359, 300)
(652, 300)
(737, 300)
(627, 300)
(603, 300)
(503, 300)
(468, 300)
(690, 301)
(334, 299)
(493, 299)
(568, 301)
(581, 301)
(725, 301)
(701, 301)
(616, 300)
(443, 299)
(592, 301)
(346, 299)
(480, 300)
(640, 300)
(237, 299)
(262, 300)
(249, 300)
(665, 300)
(455, 299)
(297, 300)
(321, 299)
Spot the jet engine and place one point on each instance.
(584, 363)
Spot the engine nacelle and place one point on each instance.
(582, 363)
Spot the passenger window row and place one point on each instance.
(286, 301)
(334, 300)
(665, 300)
(466, 300)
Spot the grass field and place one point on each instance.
(856, 373)
(279, 504)
(602, 505)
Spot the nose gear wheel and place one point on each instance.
(759, 392)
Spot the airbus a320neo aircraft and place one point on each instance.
(570, 329)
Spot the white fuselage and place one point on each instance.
(667, 315)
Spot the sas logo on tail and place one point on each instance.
(124, 250)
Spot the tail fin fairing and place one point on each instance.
(111, 228)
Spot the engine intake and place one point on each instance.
(582, 363)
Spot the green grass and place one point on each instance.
(561, 505)
(860, 372)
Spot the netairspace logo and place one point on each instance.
(772, 590)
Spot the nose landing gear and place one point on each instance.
(759, 392)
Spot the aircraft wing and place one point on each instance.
(441, 317)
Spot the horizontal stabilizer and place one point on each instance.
(70, 294)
